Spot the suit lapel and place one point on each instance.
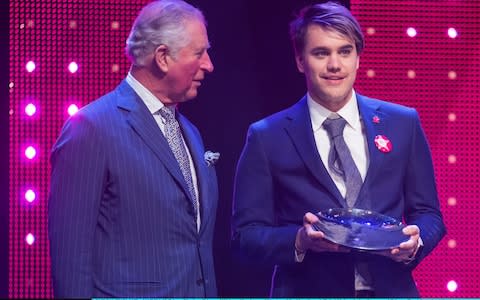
(376, 123)
(299, 128)
(143, 123)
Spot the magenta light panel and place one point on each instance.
(63, 54)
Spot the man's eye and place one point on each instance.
(320, 53)
(345, 52)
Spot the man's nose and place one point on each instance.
(207, 64)
(333, 64)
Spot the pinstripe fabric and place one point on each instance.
(120, 220)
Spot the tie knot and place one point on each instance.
(168, 112)
(334, 127)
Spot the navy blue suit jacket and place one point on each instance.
(121, 223)
(280, 177)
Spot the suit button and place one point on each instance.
(200, 281)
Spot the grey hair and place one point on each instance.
(161, 22)
(330, 16)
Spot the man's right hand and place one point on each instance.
(310, 239)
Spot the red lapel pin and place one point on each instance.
(376, 119)
(383, 143)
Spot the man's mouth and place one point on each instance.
(333, 77)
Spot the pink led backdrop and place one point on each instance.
(431, 71)
(52, 34)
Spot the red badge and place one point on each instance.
(383, 143)
(376, 119)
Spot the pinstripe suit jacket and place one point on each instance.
(280, 177)
(121, 222)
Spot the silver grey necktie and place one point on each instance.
(340, 160)
(173, 135)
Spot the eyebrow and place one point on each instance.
(345, 47)
(207, 46)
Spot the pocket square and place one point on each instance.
(211, 158)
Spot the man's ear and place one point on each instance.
(299, 59)
(161, 58)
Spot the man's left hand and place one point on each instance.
(406, 251)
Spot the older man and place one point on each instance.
(132, 201)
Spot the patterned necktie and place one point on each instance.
(173, 135)
(340, 160)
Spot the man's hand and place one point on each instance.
(406, 251)
(310, 239)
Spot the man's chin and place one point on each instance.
(332, 101)
(192, 93)
(338, 96)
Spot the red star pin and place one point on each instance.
(383, 143)
(376, 119)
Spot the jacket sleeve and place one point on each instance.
(421, 198)
(257, 236)
(78, 165)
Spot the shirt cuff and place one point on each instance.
(299, 256)
(412, 257)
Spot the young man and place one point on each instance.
(292, 166)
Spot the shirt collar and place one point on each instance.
(151, 101)
(349, 112)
